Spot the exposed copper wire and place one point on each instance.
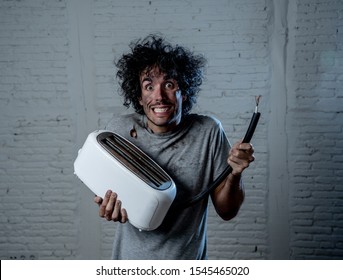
(257, 100)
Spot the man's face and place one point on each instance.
(161, 99)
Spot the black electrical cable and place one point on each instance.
(248, 135)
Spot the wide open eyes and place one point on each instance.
(167, 85)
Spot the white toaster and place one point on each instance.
(109, 161)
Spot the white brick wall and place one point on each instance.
(36, 133)
(315, 119)
(57, 84)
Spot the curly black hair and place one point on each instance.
(175, 62)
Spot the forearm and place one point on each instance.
(228, 197)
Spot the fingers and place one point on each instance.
(124, 217)
(110, 208)
(246, 147)
(98, 200)
(240, 156)
(113, 209)
(242, 152)
(103, 205)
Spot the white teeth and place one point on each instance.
(160, 110)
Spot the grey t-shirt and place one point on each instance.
(194, 155)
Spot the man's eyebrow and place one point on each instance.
(146, 79)
(170, 77)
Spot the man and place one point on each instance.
(160, 82)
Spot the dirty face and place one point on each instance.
(161, 100)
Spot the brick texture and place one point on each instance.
(316, 122)
(36, 133)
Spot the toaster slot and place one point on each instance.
(134, 165)
(136, 161)
(143, 160)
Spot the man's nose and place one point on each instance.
(159, 93)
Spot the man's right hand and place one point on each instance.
(110, 207)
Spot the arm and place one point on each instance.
(228, 197)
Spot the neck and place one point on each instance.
(161, 129)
